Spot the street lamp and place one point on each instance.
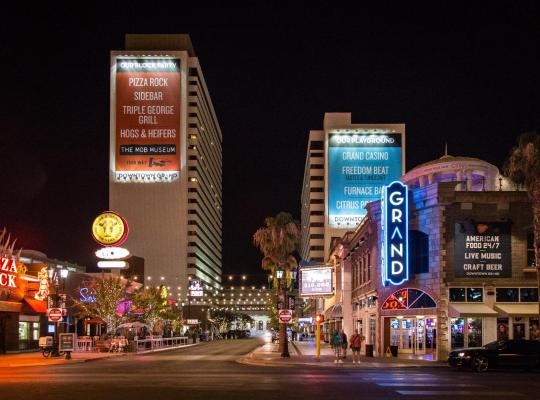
(57, 275)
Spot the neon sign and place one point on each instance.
(8, 272)
(395, 235)
(86, 295)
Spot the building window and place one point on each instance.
(316, 225)
(475, 295)
(507, 295)
(419, 251)
(316, 201)
(316, 154)
(316, 190)
(531, 260)
(316, 145)
(316, 178)
(462, 295)
(316, 248)
(456, 295)
(316, 166)
(316, 213)
(528, 295)
(466, 332)
(316, 236)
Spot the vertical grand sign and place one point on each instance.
(395, 234)
(482, 249)
(359, 166)
(147, 115)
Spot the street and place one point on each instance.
(209, 371)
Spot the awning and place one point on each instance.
(333, 312)
(10, 306)
(518, 309)
(36, 305)
(471, 310)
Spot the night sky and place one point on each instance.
(456, 75)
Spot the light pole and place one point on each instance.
(282, 295)
(57, 274)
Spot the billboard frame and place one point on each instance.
(321, 294)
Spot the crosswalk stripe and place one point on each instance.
(455, 393)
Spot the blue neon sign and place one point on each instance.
(395, 234)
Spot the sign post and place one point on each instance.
(319, 319)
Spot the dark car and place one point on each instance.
(501, 353)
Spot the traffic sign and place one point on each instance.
(54, 314)
(285, 316)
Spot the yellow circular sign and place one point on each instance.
(109, 229)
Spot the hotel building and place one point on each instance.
(166, 161)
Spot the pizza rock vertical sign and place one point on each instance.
(147, 115)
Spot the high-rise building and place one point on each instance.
(166, 161)
(346, 167)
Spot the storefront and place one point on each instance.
(457, 274)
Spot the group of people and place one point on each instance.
(339, 343)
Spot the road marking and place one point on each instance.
(455, 393)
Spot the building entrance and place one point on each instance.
(413, 335)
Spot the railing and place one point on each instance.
(159, 343)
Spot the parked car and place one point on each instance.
(498, 354)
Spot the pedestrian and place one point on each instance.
(344, 343)
(356, 344)
(335, 342)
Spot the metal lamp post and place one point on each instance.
(57, 275)
(282, 293)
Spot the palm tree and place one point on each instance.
(277, 240)
(523, 168)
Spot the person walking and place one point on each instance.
(356, 344)
(336, 344)
(344, 343)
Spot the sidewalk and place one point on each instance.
(303, 354)
(36, 359)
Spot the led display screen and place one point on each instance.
(359, 165)
(147, 119)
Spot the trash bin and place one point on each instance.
(394, 351)
(369, 350)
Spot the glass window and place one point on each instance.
(456, 331)
(35, 331)
(457, 294)
(528, 295)
(531, 260)
(507, 295)
(23, 330)
(475, 295)
(534, 329)
(474, 334)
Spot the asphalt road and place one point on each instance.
(209, 372)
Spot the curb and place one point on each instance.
(248, 359)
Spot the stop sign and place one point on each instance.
(284, 316)
(55, 314)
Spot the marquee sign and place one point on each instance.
(8, 272)
(109, 229)
(195, 288)
(316, 282)
(395, 234)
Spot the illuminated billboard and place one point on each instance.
(146, 115)
(359, 166)
(316, 281)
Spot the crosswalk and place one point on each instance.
(434, 385)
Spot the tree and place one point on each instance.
(223, 319)
(174, 318)
(244, 320)
(523, 168)
(277, 240)
(153, 303)
(108, 293)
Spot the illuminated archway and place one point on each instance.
(408, 299)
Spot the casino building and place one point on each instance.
(471, 274)
(166, 161)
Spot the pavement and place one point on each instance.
(210, 371)
(303, 354)
(36, 359)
